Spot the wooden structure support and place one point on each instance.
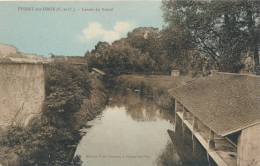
(201, 135)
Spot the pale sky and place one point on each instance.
(72, 28)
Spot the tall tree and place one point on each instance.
(223, 31)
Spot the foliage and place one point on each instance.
(139, 52)
(223, 31)
(198, 36)
(50, 140)
(169, 156)
(66, 87)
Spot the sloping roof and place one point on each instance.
(224, 102)
(99, 71)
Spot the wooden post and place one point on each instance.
(194, 129)
(193, 144)
(195, 126)
(183, 129)
(208, 158)
(175, 105)
(183, 118)
(175, 114)
(184, 113)
(211, 140)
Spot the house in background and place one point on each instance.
(73, 60)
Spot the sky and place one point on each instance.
(72, 28)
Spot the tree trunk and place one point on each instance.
(254, 36)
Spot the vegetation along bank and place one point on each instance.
(73, 96)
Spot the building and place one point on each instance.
(175, 73)
(73, 60)
(22, 87)
(100, 72)
(222, 111)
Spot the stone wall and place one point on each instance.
(6, 50)
(22, 93)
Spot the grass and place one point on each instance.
(153, 86)
(157, 81)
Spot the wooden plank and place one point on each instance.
(214, 155)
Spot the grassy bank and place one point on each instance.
(73, 96)
(152, 86)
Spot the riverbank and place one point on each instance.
(157, 88)
(154, 87)
(73, 96)
(131, 130)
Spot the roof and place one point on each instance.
(99, 71)
(76, 60)
(224, 102)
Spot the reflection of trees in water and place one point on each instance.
(139, 108)
(169, 156)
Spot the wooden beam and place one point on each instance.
(193, 143)
(184, 113)
(175, 114)
(211, 140)
(195, 126)
(175, 105)
(216, 157)
(194, 129)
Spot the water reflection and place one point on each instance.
(169, 156)
(131, 131)
(139, 108)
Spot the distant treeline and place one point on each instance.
(197, 36)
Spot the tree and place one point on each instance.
(175, 41)
(120, 58)
(149, 41)
(221, 30)
(146, 39)
(141, 51)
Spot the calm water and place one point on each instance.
(130, 132)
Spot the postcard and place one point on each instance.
(130, 83)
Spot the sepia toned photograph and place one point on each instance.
(130, 83)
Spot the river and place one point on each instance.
(131, 131)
